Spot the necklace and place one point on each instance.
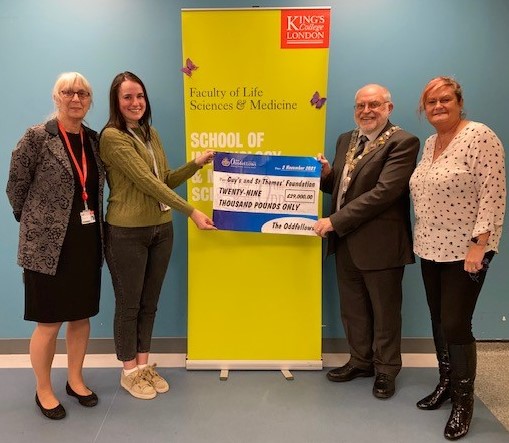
(440, 146)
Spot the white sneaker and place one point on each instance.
(137, 385)
(157, 382)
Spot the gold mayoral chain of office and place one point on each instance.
(352, 161)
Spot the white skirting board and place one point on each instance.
(171, 360)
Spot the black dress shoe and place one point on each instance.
(57, 413)
(85, 400)
(348, 372)
(384, 386)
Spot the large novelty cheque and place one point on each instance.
(264, 193)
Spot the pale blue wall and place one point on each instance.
(399, 43)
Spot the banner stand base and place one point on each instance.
(223, 376)
(255, 365)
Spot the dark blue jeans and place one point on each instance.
(137, 259)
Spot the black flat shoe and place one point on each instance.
(85, 400)
(57, 413)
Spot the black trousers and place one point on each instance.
(370, 303)
(452, 294)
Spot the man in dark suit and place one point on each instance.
(370, 233)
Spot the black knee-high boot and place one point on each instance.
(463, 359)
(442, 391)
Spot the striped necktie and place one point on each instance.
(360, 147)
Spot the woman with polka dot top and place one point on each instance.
(459, 192)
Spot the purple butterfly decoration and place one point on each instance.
(317, 101)
(189, 68)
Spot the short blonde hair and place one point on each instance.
(66, 80)
(436, 83)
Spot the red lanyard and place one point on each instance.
(82, 173)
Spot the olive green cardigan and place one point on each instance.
(135, 191)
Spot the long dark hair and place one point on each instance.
(116, 119)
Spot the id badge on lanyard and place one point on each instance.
(162, 206)
(87, 215)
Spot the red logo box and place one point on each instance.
(305, 28)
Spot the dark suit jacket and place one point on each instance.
(375, 217)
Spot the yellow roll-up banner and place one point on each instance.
(255, 82)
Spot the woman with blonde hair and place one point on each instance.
(55, 188)
(459, 192)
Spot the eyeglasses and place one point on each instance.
(435, 101)
(68, 93)
(371, 105)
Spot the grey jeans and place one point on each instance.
(137, 259)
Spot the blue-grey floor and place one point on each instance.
(251, 406)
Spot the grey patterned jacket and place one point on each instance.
(40, 189)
